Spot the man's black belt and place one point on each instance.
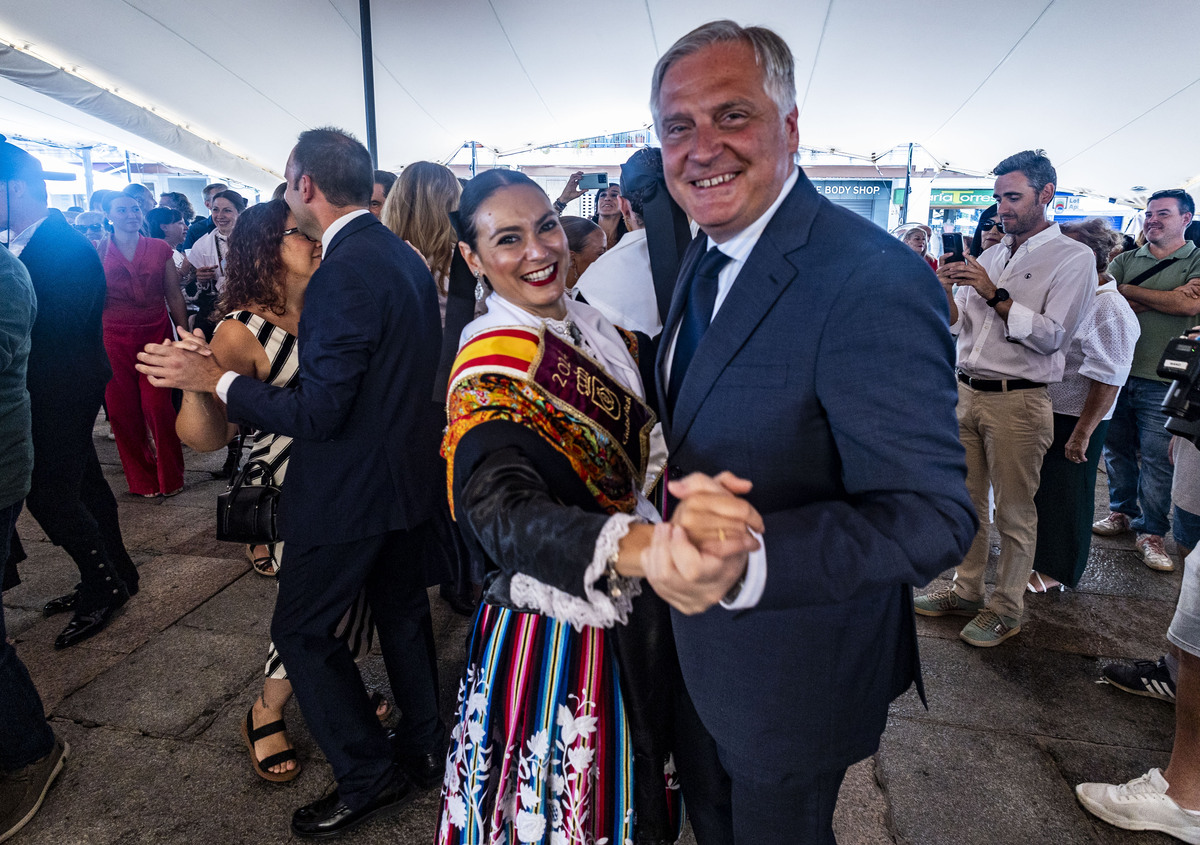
(1002, 385)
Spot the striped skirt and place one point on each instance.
(541, 752)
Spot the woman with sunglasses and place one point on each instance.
(988, 233)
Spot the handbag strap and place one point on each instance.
(240, 480)
(1153, 271)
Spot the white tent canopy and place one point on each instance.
(969, 82)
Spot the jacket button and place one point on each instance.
(675, 471)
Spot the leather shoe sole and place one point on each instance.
(328, 817)
(85, 625)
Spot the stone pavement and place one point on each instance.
(152, 706)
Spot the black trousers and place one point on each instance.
(732, 802)
(316, 585)
(72, 501)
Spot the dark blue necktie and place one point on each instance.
(702, 295)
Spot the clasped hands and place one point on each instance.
(187, 363)
(694, 560)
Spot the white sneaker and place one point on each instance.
(1141, 804)
(1154, 554)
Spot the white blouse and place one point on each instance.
(1101, 350)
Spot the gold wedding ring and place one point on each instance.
(721, 534)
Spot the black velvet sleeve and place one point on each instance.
(519, 500)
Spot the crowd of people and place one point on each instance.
(453, 383)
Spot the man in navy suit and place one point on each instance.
(361, 481)
(68, 370)
(819, 371)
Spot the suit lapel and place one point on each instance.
(765, 275)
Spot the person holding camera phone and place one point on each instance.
(1014, 311)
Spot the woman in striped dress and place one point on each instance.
(268, 267)
(563, 733)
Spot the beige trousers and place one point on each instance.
(1006, 435)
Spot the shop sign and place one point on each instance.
(841, 189)
(954, 197)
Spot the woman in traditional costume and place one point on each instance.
(564, 715)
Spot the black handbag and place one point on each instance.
(246, 512)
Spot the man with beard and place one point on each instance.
(1014, 312)
(1161, 280)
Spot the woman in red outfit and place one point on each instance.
(143, 303)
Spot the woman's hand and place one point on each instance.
(686, 578)
(571, 191)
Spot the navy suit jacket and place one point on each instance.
(364, 455)
(67, 361)
(825, 378)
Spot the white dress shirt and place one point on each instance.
(1050, 279)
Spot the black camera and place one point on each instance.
(1180, 363)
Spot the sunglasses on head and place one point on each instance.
(988, 225)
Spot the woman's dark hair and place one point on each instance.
(622, 229)
(989, 213)
(239, 201)
(476, 192)
(159, 217)
(182, 203)
(253, 267)
(578, 229)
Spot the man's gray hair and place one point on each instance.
(771, 54)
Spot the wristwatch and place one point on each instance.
(560, 206)
(1001, 296)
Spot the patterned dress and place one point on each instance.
(543, 750)
(274, 449)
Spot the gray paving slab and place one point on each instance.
(244, 607)
(1021, 690)
(862, 816)
(957, 785)
(172, 687)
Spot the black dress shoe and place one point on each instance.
(328, 816)
(85, 625)
(425, 770)
(62, 604)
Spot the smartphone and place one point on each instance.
(593, 181)
(952, 243)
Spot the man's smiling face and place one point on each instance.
(726, 149)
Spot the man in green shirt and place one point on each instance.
(1161, 281)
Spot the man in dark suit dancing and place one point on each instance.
(805, 351)
(361, 482)
(68, 370)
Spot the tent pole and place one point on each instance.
(89, 178)
(364, 17)
(907, 186)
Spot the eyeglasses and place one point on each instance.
(988, 225)
(295, 230)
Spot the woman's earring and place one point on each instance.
(480, 291)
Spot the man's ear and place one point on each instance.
(1046, 195)
(306, 188)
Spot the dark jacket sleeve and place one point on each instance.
(519, 500)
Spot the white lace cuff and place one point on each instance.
(600, 609)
